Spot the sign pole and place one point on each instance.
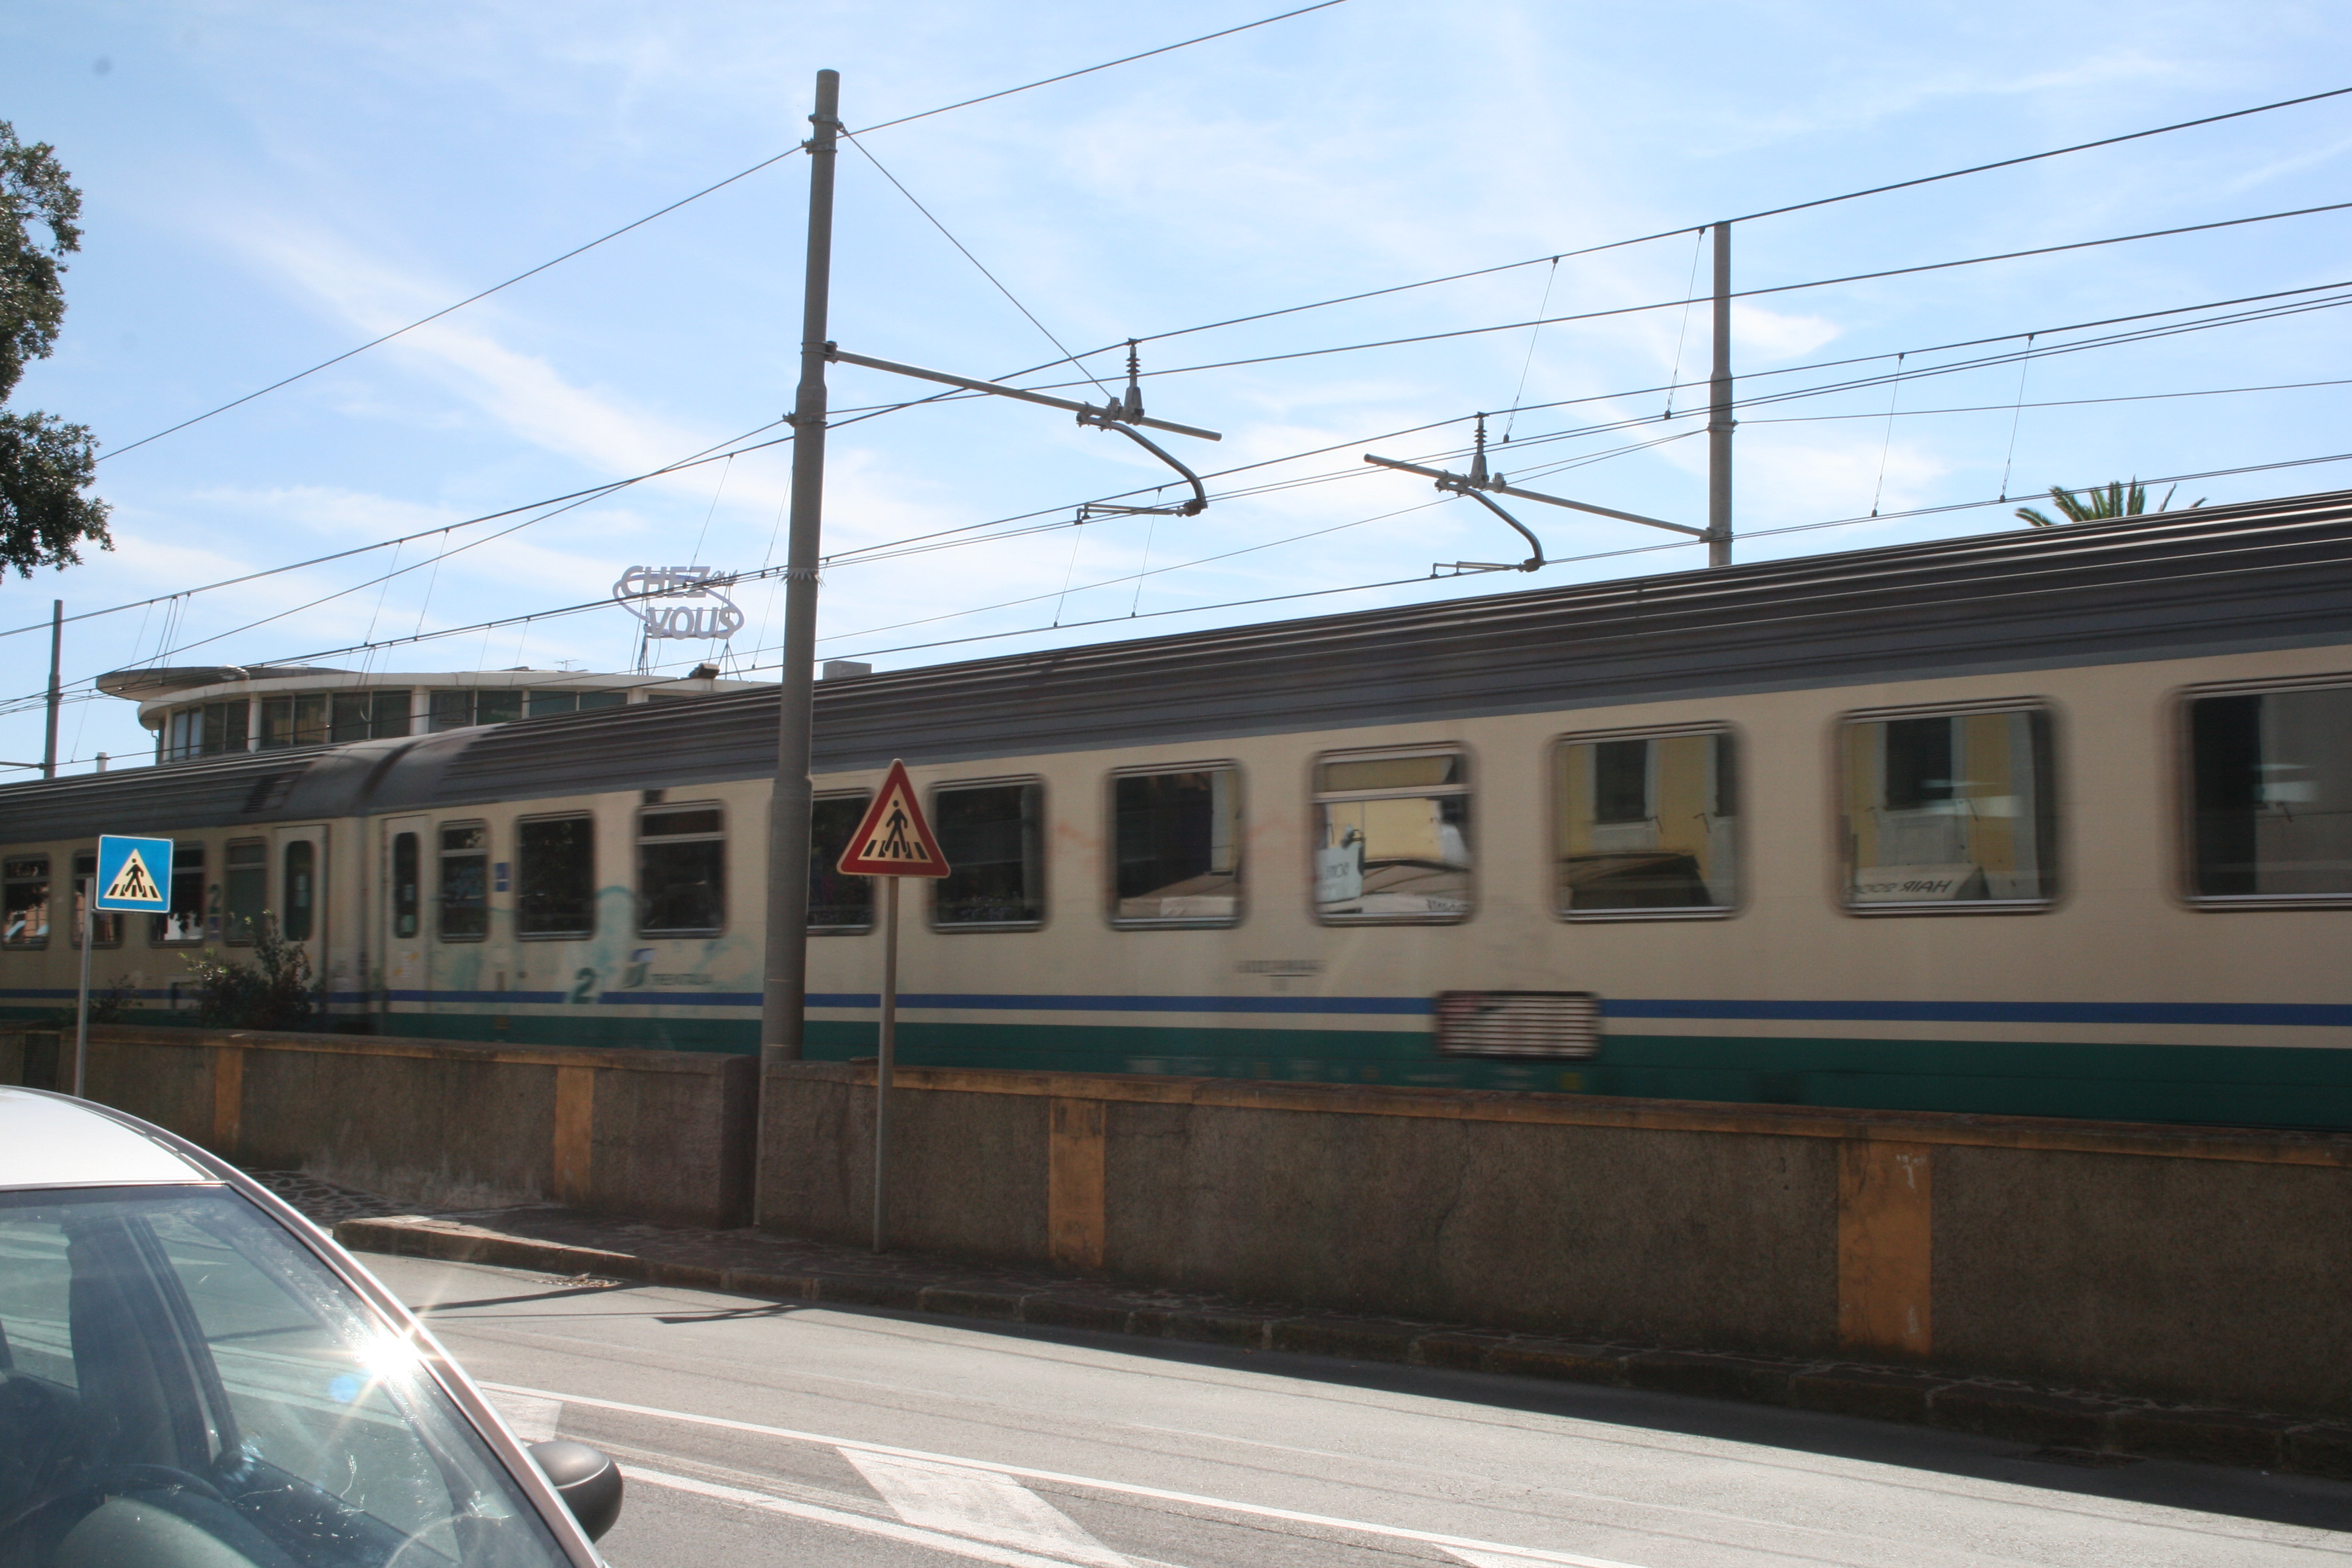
(81, 1003)
(884, 1060)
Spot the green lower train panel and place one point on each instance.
(2239, 1084)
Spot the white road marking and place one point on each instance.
(534, 1420)
(983, 1504)
(1004, 1557)
(1517, 1556)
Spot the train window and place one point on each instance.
(405, 905)
(105, 925)
(838, 905)
(993, 836)
(1947, 812)
(245, 888)
(1392, 836)
(1176, 848)
(299, 875)
(1645, 825)
(2271, 795)
(185, 920)
(555, 876)
(465, 881)
(681, 871)
(24, 902)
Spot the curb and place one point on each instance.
(2074, 1422)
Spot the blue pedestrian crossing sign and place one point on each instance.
(134, 873)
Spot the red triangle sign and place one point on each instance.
(893, 839)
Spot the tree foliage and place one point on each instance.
(44, 463)
(275, 991)
(2091, 505)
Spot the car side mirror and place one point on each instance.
(588, 1482)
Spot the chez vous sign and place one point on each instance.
(679, 602)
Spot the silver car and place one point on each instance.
(192, 1375)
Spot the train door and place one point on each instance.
(406, 980)
(299, 900)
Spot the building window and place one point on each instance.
(543, 703)
(555, 876)
(1176, 848)
(185, 920)
(1645, 824)
(405, 904)
(593, 700)
(298, 873)
(245, 888)
(297, 720)
(105, 925)
(465, 881)
(207, 730)
(1949, 811)
(451, 709)
(24, 902)
(681, 871)
(838, 905)
(2271, 795)
(498, 705)
(993, 836)
(1392, 836)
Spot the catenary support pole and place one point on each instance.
(1719, 423)
(885, 1059)
(57, 646)
(784, 996)
(87, 897)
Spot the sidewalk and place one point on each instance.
(2085, 1428)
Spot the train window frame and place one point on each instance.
(864, 797)
(2182, 806)
(18, 871)
(2052, 851)
(1554, 786)
(1317, 797)
(638, 843)
(187, 863)
(1044, 855)
(441, 856)
(519, 825)
(1111, 915)
(105, 925)
(232, 934)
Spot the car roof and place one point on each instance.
(53, 1140)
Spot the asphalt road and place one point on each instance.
(755, 1434)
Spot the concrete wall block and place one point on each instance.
(2205, 1280)
(172, 1086)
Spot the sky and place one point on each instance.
(267, 186)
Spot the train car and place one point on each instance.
(2048, 822)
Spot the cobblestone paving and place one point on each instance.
(325, 1203)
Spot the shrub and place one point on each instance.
(275, 991)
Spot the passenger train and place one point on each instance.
(2049, 822)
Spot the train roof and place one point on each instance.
(2212, 580)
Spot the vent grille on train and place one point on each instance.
(1518, 1023)
(269, 792)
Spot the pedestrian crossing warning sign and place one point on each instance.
(893, 839)
(132, 873)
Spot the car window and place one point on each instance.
(183, 1382)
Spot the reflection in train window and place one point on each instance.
(1646, 823)
(838, 905)
(465, 914)
(555, 876)
(245, 888)
(405, 904)
(185, 921)
(993, 836)
(1392, 836)
(681, 872)
(1176, 848)
(105, 925)
(2270, 784)
(299, 878)
(24, 902)
(1949, 811)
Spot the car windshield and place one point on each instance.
(182, 1382)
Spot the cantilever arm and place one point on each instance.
(834, 352)
(1532, 562)
(1200, 501)
(1452, 481)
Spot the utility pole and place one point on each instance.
(785, 998)
(1719, 423)
(57, 646)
